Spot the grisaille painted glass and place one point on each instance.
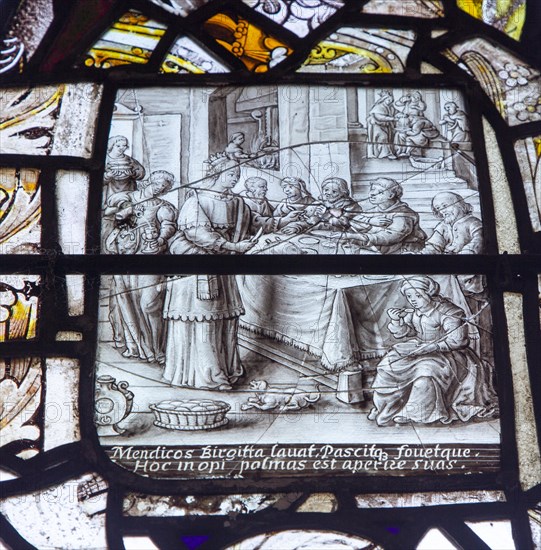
(298, 16)
(20, 211)
(25, 33)
(243, 363)
(426, 9)
(49, 120)
(180, 7)
(376, 171)
(184, 361)
(21, 390)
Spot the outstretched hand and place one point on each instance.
(292, 216)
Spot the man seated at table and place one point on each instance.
(335, 210)
(403, 234)
(262, 211)
(255, 196)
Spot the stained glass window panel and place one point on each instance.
(186, 56)
(244, 384)
(49, 120)
(334, 366)
(503, 15)
(512, 85)
(410, 8)
(258, 50)
(297, 16)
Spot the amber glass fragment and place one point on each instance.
(257, 49)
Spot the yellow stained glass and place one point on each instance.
(18, 307)
(357, 50)
(20, 211)
(258, 50)
(131, 40)
(507, 16)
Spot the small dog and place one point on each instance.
(268, 397)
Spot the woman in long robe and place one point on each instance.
(144, 224)
(434, 375)
(203, 311)
(380, 123)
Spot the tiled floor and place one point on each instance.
(327, 421)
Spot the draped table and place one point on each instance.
(310, 242)
(342, 320)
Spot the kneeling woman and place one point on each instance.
(434, 375)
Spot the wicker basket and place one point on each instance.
(190, 414)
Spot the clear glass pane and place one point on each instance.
(71, 208)
(297, 540)
(497, 534)
(529, 455)
(529, 157)
(61, 403)
(75, 287)
(71, 513)
(434, 539)
(506, 223)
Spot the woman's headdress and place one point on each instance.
(421, 282)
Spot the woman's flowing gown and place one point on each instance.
(449, 384)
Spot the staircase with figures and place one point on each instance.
(421, 180)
